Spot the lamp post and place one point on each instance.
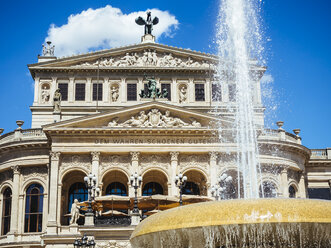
(135, 181)
(220, 191)
(84, 242)
(180, 182)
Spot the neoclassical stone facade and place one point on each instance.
(103, 126)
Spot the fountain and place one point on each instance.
(249, 221)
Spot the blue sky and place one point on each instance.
(298, 53)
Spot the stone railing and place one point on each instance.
(280, 134)
(22, 135)
(319, 154)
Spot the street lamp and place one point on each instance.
(135, 181)
(180, 182)
(84, 242)
(221, 190)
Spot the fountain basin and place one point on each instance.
(239, 223)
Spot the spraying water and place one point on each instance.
(239, 40)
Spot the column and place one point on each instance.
(302, 193)
(174, 90)
(173, 191)
(140, 85)
(284, 183)
(123, 90)
(213, 168)
(15, 199)
(134, 168)
(105, 90)
(88, 92)
(208, 91)
(71, 89)
(53, 187)
(95, 164)
(36, 89)
(59, 192)
(191, 91)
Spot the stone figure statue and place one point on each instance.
(114, 93)
(136, 122)
(74, 212)
(171, 121)
(148, 22)
(48, 50)
(45, 95)
(57, 100)
(182, 94)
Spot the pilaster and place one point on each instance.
(36, 89)
(123, 89)
(95, 164)
(213, 168)
(174, 90)
(15, 200)
(88, 92)
(191, 91)
(105, 90)
(208, 90)
(71, 89)
(302, 186)
(53, 86)
(53, 194)
(173, 191)
(284, 182)
(140, 85)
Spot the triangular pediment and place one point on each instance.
(139, 55)
(150, 115)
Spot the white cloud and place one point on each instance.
(267, 78)
(105, 28)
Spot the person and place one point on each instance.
(74, 212)
(114, 94)
(182, 94)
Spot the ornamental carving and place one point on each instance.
(154, 160)
(35, 172)
(213, 156)
(95, 156)
(114, 244)
(134, 156)
(154, 118)
(149, 58)
(6, 175)
(81, 160)
(174, 155)
(55, 155)
(194, 161)
(107, 161)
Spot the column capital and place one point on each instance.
(134, 156)
(16, 169)
(174, 155)
(95, 156)
(284, 170)
(213, 155)
(55, 156)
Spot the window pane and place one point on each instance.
(33, 208)
(116, 188)
(216, 93)
(64, 91)
(77, 191)
(152, 188)
(168, 87)
(6, 211)
(199, 92)
(132, 92)
(191, 188)
(97, 92)
(80, 92)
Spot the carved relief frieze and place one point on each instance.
(108, 161)
(34, 172)
(193, 160)
(114, 244)
(149, 58)
(6, 175)
(76, 160)
(155, 160)
(155, 118)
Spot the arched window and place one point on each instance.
(77, 191)
(191, 188)
(269, 190)
(34, 208)
(291, 192)
(152, 188)
(116, 188)
(6, 211)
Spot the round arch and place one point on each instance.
(70, 170)
(197, 177)
(156, 176)
(112, 177)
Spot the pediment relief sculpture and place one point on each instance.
(154, 118)
(149, 58)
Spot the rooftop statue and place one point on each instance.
(48, 50)
(148, 22)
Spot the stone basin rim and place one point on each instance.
(237, 212)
